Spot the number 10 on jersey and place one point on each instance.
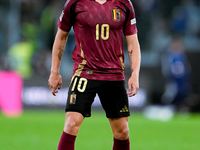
(104, 31)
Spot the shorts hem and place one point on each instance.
(118, 116)
(83, 114)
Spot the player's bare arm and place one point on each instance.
(134, 59)
(55, 79)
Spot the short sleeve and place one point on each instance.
(130, 26)
(64, 22)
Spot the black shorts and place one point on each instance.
(112, 94)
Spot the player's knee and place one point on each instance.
(71, 127)
(122, 134)
(72, 123)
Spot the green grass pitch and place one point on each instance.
(41, 130)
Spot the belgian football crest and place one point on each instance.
(72, 98)
(116, 14)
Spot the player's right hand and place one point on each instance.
(55, 82)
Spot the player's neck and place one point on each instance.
(101, 1)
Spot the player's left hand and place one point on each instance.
(133, 85)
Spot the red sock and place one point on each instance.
(121, 144)
(67, 142)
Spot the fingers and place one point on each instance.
(59, 85)
(132, 90)
(54, 89)
(129, 93)
(55, 83)
(54, 93)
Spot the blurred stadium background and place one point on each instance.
(169, 82)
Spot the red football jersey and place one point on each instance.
(99, 32)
